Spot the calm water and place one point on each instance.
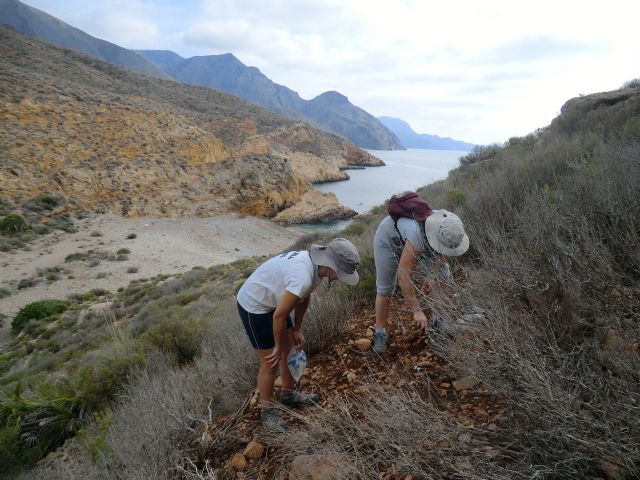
(404, 170)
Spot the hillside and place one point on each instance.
(329, 111)
(108, 139)
(532, 372)
(36, 23)
(411, 139)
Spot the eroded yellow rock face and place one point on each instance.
(107, 139)
(315, 207)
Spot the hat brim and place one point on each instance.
(431, 229)
(320, 257)
(444, 250)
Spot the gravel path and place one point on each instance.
(162, 245)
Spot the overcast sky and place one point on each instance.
(479, 71)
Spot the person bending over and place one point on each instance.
(276, 289)
(397, 249)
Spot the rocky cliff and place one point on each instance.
(108, 139)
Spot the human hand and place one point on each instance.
(273, 359)
(298, 339)
(420, 319)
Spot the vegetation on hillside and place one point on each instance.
(34, 217)
(551, 281)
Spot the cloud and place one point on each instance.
(540, 48)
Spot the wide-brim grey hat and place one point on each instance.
(445, 233)
(341, 256)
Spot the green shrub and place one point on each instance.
(40, 229)
(12, 224)
(631, 130)
(62, 222)
(455, 197)
(123, 251)
(38, 310)
(42, 203)
(355, 229)
(76, 257)
(26, 283)
(14, 455)
(98, 387)
(178, 338)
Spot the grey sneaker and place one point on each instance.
(296, 398)
(271, 421)
(380, 340)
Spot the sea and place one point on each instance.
(404, 170)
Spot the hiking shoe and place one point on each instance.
(271, 421)
(296, 398)
(380, 340)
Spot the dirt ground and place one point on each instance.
(161, 246)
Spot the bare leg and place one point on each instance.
(382, 310)
(285, 374)
(266, 378)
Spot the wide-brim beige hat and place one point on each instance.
(445, 233)
(341, 256)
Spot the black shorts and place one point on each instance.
(259, 328)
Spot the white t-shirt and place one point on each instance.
(291, 271)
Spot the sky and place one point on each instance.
(478, 71)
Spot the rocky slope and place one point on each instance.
(108, 139)
(315, 207)
(347, 374)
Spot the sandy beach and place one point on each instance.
(161, 246)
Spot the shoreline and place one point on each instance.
(161, 246)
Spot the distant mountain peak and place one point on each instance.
(332, 96)
(411, 139)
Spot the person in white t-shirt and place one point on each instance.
(276, 289)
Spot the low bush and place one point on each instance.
(12, 224)
(26, 283)
(38, 310)
(178, 338)
(42, 203)
(62, 222)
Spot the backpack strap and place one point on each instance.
(395, 225)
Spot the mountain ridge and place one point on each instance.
(411, 139)
(36, 23)
(226, 72)
(235, 77)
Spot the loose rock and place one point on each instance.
(238, 462)
(254, 450)
(363, 344)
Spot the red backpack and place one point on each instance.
(409, 205)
